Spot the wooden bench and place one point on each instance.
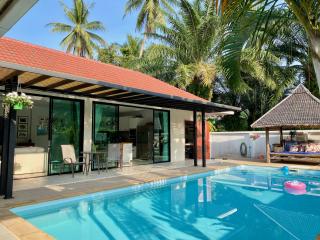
(295, 157)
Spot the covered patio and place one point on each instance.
(299, 110)
(53, 75)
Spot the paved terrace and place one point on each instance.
(31, 191)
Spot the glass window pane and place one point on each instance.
(105, 125)
(161, 136)
(65, 129)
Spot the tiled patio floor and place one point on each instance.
(30, 191)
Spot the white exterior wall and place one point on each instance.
(227, 144)
(177, 122)
(87, 124)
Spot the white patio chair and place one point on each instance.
(127, 154)
(120, 153)
(113, 156)
(70, 159)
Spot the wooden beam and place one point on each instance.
(281, 136)
(36, 80)
(195, 140)
(82, 85)
(57, 84)
(127, 96)
(109, 94)
(267, 146)
(98, 89)
(10, 76)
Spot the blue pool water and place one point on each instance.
(238, 203)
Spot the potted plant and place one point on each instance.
(16, 101)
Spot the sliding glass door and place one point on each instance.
(66, 127)
(161, 136)
(105, 128)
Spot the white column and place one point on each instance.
(87, 131)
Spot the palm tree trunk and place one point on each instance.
(315, 48)
(143, 42)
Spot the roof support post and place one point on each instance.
(267, 146)
(203, 120)
(195, 139)
(281, 136)
(9, 144)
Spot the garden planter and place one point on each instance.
(18, 106)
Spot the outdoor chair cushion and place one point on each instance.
(313, 147)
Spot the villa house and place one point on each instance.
(90, 104)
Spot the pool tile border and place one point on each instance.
(22, 229)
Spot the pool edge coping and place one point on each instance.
(14, 224)
(22, 229)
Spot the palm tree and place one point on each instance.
(306, 12)
(188, 47)
(130, 50)
(110, 54)
(80, 39)
(266, 72)
(125, 55)
(152, 12)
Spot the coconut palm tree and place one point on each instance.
(152, 12)
(110, 54)
(124, 55)
(80, 38)
(188, 47)
(306, 12)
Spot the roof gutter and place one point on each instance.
(11, 11)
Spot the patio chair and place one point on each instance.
(113, 154)
(69, 158)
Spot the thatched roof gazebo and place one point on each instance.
(299, 109)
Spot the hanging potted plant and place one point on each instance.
(16, 101)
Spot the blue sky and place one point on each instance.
(31, 28)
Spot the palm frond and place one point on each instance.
(80, 39)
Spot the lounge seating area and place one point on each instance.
(300, 110)
(296, 148)
(295, 157)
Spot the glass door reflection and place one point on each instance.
(66, 128)
(161, 137)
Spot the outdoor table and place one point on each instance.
(91, 159)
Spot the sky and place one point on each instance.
(32, 26)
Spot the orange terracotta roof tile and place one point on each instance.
(42, 58)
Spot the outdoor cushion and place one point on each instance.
(313, 147)
(294, 148)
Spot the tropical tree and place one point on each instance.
(267, 73)
(80, 39)
(110, 54)
(307, 13)
(292, 45)
(124, 55)
(130, 52)
(187, 47)
(152, 12)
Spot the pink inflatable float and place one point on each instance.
(295, 187)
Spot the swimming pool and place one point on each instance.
(237, 203)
